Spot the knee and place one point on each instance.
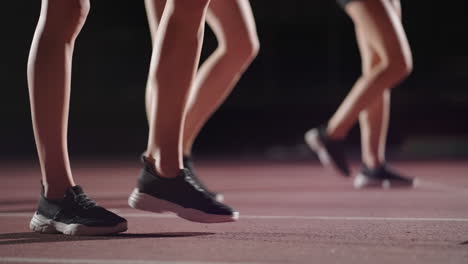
(400, 67)
(246, 49)
(65, 19)
(78, 11)
(241, 48)
(253, 47)
(408, 66)
(397, 66)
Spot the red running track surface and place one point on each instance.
(291, 212)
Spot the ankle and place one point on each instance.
(167, 166)
(373, 164)
(56, 191)
(187, 153)
(334, 134)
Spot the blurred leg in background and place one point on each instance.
(386, 61)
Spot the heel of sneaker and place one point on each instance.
(313, 141)
(41, 224)
(362, 181)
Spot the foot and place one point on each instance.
(180, 195)
(75, 214)
(330, 152)
(188, 164)
(381, 177)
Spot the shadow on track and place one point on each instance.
(31, 237)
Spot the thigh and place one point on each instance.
(154, 11)
(232, 19)
(382, 27)
(63, 18)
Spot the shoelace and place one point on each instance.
(193, 182)
(202, 192)
(196, 179)
(84, 201)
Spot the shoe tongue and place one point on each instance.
(76, 190)
(374, 172)
(183, 173)
(381, 169)
(148, 164)
(187, 160)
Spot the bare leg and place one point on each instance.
(234, 26)
(374, 126)
(49, 75)
(385, 35)
(154, 11)
(375, 118)
(176, 54)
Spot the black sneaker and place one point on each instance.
(75, 214)
(188, 164)
(330, 152)
(381, 177)
(180, 195)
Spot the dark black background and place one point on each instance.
(307, 63)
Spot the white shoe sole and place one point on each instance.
(43, 224)
(361, 181)
(146, 202)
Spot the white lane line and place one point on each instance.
(437, 186)
(105, 261)
(285, 217)
(292, 217)
(358, 218)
